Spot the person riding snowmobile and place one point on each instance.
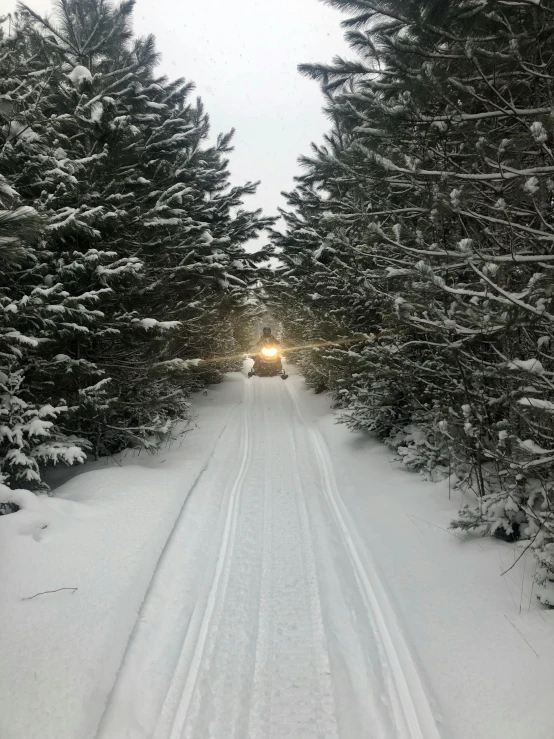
(267, 339)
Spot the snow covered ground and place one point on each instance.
(269, 575)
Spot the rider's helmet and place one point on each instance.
(267, 333)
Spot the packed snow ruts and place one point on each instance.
(254, 659)
(104, 537)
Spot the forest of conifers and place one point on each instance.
(415, 256)
(121, 241)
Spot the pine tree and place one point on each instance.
(139, 265)
(437, 194)
(30, 435)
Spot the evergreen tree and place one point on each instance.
(139, 264)
(434, 239)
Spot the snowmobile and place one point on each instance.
(268, 363)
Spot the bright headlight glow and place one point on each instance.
(269, 351)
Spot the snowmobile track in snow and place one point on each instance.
(260, 667)
(268, 590)
(134, 660)
(414, 717)
(173, 717)
(291, 645)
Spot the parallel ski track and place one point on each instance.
(174, 713)
(163, 555)
(413, 714)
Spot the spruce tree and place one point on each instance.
(139, 262)
(437, 202)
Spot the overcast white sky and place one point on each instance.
(242, 55)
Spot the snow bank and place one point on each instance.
(24, 499)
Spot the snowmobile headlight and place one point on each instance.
(269, 351)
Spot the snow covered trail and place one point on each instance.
(266, 617)
(269, 574)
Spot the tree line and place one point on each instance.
(419, 239)
(121, 241)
